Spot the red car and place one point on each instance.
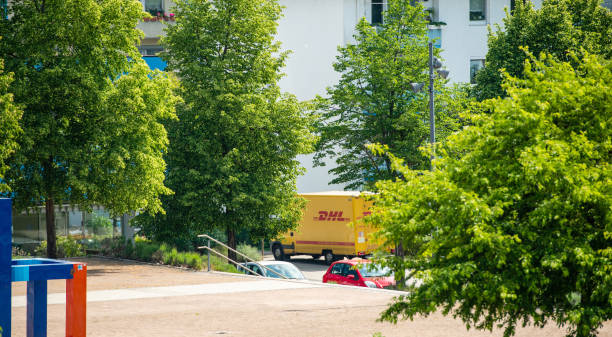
(359, 272)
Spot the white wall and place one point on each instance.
(463, 40)
(312, 30)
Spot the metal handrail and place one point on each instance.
(235, 251)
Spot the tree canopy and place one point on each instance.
(373, 101)
(232, 159)
(559, 27)
(92, 111)
(514, 227)
(9, 124)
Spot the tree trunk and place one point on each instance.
(50, 218)
(399, 253)
(231, 241)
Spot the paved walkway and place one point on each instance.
(175, 291)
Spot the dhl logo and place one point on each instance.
(330, 216)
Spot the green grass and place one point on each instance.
(146, 250)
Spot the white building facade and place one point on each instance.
(313, 30)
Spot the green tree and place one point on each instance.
(92, 131)
(373, 101)
(559, 27)
(232, 159)
(515, 224)
(9, 124)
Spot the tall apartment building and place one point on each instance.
(313, 29)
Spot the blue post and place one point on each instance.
(37, 309)
(5, 266)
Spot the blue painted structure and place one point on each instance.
(155, 62)
(34, 271)
(5, 265)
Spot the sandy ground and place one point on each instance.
(326, 311)
(105, 274)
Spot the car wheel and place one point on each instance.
(329, 257)
(277, 250)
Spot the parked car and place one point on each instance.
(359, 272)
(286, 269)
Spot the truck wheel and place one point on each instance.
(329, 257)
(279, 254)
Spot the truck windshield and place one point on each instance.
(370, 270)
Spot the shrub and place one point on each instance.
(66, 247)
(252, 252)
(220, 264)
(194, 260)
(144, 249)
(128, 250)
(100, 225)
(18, 252)
(115, 247)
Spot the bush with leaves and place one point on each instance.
(66, 247)
(514, 227)
(252, 252)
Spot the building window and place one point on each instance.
(475, 66)
(478, 10)
(154, 6)
(376, 10)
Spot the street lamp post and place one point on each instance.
(432, 113)
(434, 64)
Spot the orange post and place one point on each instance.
(76, 302)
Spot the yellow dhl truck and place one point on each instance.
(326, 230)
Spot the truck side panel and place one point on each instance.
(325, 227)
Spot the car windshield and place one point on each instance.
(370, 270)
(287, 270)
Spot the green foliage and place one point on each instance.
(92, 110)
(515, 224)
(252, 252)
(149, 251)
(144, 249)
(100, 225)
(193, 261)
(232, 159)
(373, 101)
(18, 252)
(220, 264)
(558, 27)
(9, 124)
(115, 247)
(66, 247)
